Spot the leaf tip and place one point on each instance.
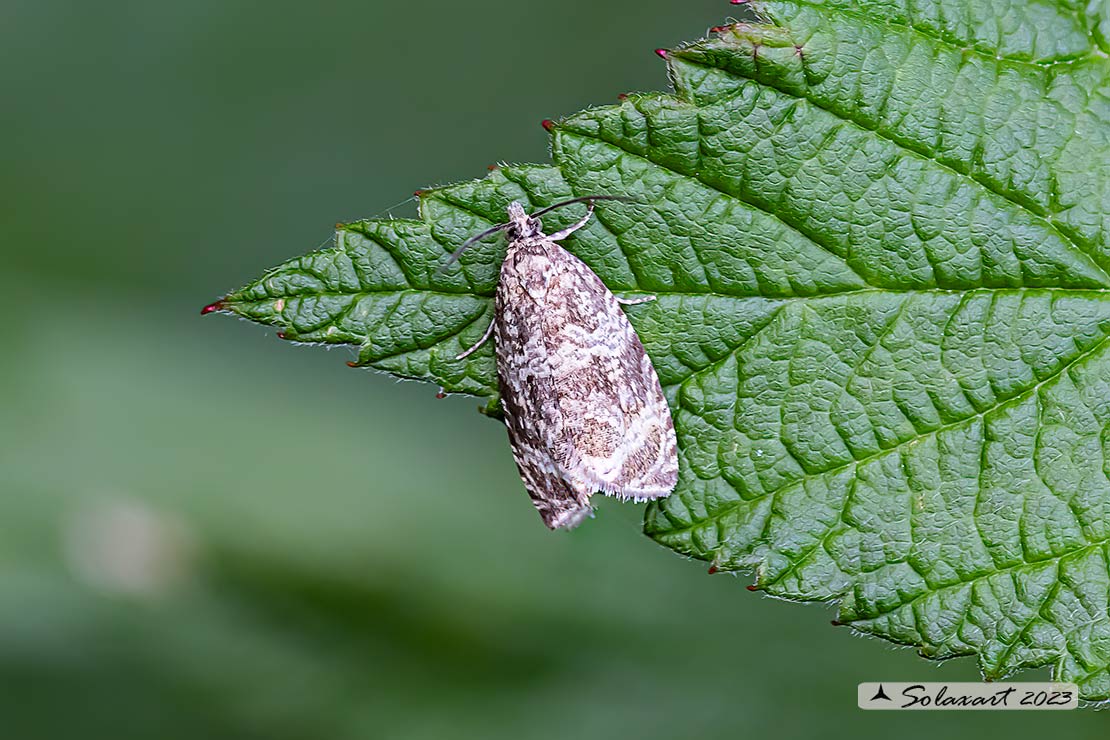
(739, 2)
(622, 97)
(213, 307)
(282, 335)
(662, 53)
(753, 587)
(836, 623)
(441, 393)
(418, 193)
(547, 124)
(712, 569)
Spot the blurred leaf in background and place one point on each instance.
(206, 533)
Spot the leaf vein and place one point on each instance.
(998, 405)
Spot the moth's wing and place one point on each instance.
(616, 432)
(529, 397)
(560, 506)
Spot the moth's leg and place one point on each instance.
(634, 301)
(560, 235)
(483, 340)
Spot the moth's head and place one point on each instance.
(521, 225)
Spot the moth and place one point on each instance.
(583, 405)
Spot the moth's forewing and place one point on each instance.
(583, 404)
(528, 394)
(617, 435)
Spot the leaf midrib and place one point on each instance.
(362, 292)
(1096, 293)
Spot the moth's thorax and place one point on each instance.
(529, 266)
(521, 225)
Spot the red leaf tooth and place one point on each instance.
(212, 307)
(547, 124)
(662, 53)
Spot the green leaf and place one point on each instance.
(878, 233)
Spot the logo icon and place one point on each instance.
(880, 694)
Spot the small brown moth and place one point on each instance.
(583, 405)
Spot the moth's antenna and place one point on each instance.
(469, 243)
(500, 227)
(583, 199)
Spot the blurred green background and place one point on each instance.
(205, 532)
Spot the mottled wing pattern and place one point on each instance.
(528, 396)
(583, 404)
